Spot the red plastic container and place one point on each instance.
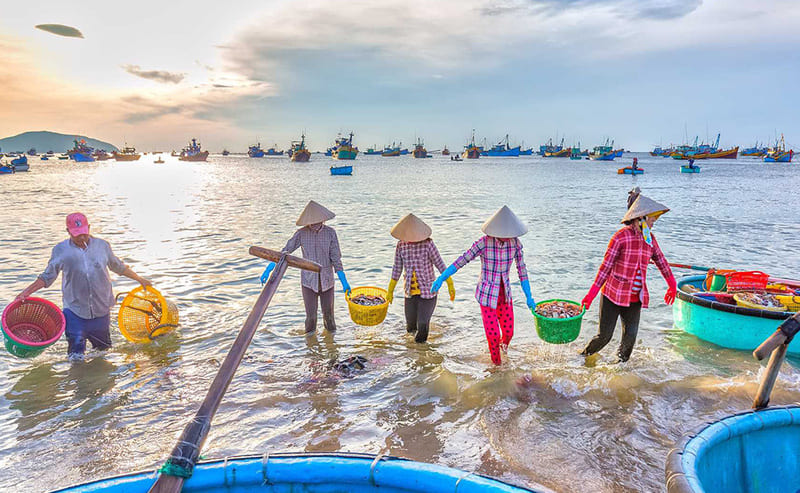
(31, 325)
(747, 281)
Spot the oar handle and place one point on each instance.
(293, 261)
(692, 267)
(772, 342)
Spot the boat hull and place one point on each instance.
(729, 326)
(258, 153)
(780, 157)
(81, 158)
(513, 152)
(602, 157)
(201, 156)
(313, 473)
(301, 156)
(341, 170)
(630, 171)
(127, 157)
(347, 155)
(561, 153)
(741, 453)
(686, 169)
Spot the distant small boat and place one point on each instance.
(455, 157)
(687, 169)
(723, 154)
(255, 151)
(445, 151)
(20, 161)
(560, 153)
(630, 171)
(6, 169)
(391, 151)
(419, 150)
(45, 158)
(272, 151)
(298, 152)
(159, 160)
(342, 170)
(193, 152)
(779, 154)
(101, 155)
(63, 158)
(373, 151)
(81, 152)
(32, 151)
(604, 152)
(471, 151)
(127, 154)
(225, 152)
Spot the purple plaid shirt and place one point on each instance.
(419, 257)
(321, 246)
(496, 257)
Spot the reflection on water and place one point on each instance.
(544, 416)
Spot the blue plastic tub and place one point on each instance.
(314, 473)
(754, 451)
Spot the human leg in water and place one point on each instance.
(609, 312)
(492, 328)
(411, 308)
(310, 298)
(505, 316)
(424, 314)
(326, 300)
(630, 328)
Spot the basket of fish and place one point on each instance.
(759, 301)
(558, 321)
(368, 305)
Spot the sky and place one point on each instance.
(642, 72)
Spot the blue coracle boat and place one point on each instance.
(341, 170)
(754, 451)
(729, 326)
(313, 473)
(686, 169)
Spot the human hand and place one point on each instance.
(144, 282)
(345, 284)
(669, 297)
(437, 284)
(390, 290)
(587, 301)
(531, 302)
(21, 297)
(267, 271)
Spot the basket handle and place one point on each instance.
(157, 327)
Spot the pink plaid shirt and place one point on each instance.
(628, 252)
(496, 257)
(419, 257)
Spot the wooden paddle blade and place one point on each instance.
(293, 261)
(167, 484)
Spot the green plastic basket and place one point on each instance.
(558, 330)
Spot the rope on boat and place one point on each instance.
(264, 464)
(465, 475)
(378, 458)
(180, 465)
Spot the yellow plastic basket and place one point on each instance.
(145, 314)
(367, 315)
(747, 304)
(792, 303)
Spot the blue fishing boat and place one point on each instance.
(255, 151)
(342, 170)
(193, 152)
(525, 152)
(273, 151)
(604, 152)
(687, 169)
(391, 151)
(779, 154)
(472, 151)
(753, 451)
(618, 152)
(81, 152)
(373, 151)
(344, 149)
(503, 149)
(755, 151)
(726, 325)
(549, 148)
(45, 158)
(313, 473)
(23, 159)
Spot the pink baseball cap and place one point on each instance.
(77, 224)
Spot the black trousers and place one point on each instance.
(326, 300)
(418, 316)
(609, 313)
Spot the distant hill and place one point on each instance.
(46, 141)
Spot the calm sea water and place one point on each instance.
(187, 227)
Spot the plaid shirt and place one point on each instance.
(418, 257)
(496, 257)
(321, 246)
(628, 252)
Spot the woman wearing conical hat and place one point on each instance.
(417, 255)
(498, 249)
(320, 244)
(623, 275)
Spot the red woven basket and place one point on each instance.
(33, 322)
(746, 281)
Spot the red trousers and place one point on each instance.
(495, 320)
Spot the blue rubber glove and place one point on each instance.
(526, 288)
(439, 280)
(345, 284)
(265, 275)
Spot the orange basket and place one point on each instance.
(747, 281)
(145, 314)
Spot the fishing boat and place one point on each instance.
(690, 169)
(550, 147)
(560, 153)
(630, 171)
(159, 160)
(657, 151)
(32, 151)
(504, 149)
(273, 151)
(419, 150)
(101, 155)
(391, 151)
(63, 157)
(20, 163)
(525, 152)
(345, 149)
(403, 151)
(45, 158)
(225, 152)
(255, 151)
(342, 170)
(6, 169)
(779, 154)
(373, 151)
(299, 153)
(81, 152)
(603, 153)
(193, 152)
(755, 151)
(127, 154)
(471, 151)
(445, 151)
(724, 324)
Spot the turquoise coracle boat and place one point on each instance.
(754, 451)
(725, 325)
(687, 169)
(313, 473)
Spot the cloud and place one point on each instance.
(161, 76)
(624, 9)
(60, 30)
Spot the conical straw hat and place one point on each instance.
(411, 228)
(313, 214)
(644, 206)
(504, 224)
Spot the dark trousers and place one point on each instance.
(418, 316)
(609, 312)
(326, 300)
(79, 330)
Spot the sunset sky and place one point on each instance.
(156, 73)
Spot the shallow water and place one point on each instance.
(577, 427)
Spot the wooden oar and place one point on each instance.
(771, 280)
(180, 464)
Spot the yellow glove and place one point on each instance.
(390, 290)
(451, 288)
